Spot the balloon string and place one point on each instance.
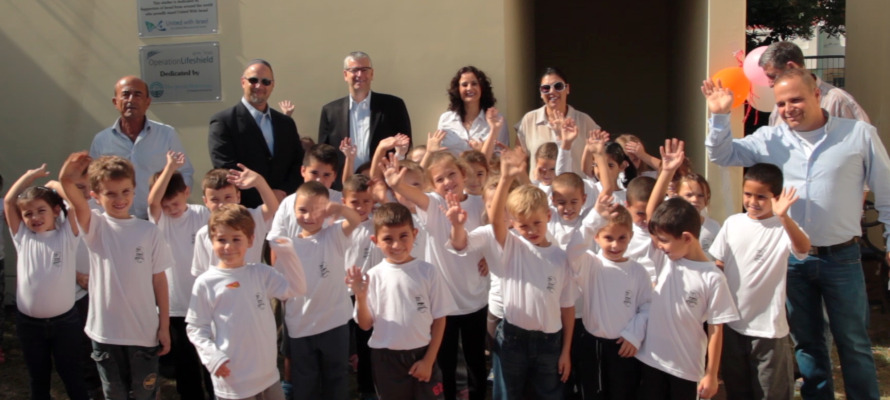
(739, 57)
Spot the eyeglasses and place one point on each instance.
(254, 80)
(558, 86)
(356, 70)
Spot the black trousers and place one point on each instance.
(191, 376)
(602, 373)
(657, 384)
(393, 381)
(470, 329)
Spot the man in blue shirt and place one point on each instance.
(828, 160)
(142, 141)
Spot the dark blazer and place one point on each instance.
(236, 138)
(389, 116)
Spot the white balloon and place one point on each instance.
(762, 98)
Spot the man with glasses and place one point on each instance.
(143, 142)
(364, 117)
(781, 56)
(253, 134)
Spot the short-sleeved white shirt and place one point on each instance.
(480, 246)
(404, 299)
(709, 229)
(755, 257)
(536, 282)
(45, 269)
(82, 263)
(643, 250)
(284, 224)
(326, 304)
(615, 297)
(469, 289)
(204, 256)
(180, 234)
(125, 254)
(688, 294)
(362, 252)
(230, 319)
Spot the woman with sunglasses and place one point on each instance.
(544, 124)
(471, 116)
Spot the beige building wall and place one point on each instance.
(868, 60)
(62, 58)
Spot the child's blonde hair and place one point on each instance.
(621, 217)
(216, 179)
(110, 168)
(234, 216)
(693, 177)
(475, 157)
(625, 138)
(442, 157)
(547, 151)
(525, 200)
(570, 180)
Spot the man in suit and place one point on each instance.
(364, 117)
(253, 134)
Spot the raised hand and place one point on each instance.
(402, 144)
(569, 132)
(246, 178)
(719, 98)
(512, 161)
(356, 281)
(36, 173)
(557, 121)
(606, 206)
(635, 149)
(596, 141)
(175, 159)
(392, 174)
(453, 211)
(74, 166)
(348, 148)
(672, 154)
(434, 141)
(783, 202)
(286, 107)
(495, 120)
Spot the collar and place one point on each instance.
(256, 114)
(366, 101)
(541, 114)
(146, 128)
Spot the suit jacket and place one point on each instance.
(236, 138)
(389, 116)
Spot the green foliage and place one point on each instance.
(776, 20)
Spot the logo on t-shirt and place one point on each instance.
(234, 285)
(759, 255)
(627, 301)
(692, 299)
(421, 305)
(57, 259)
(551, 283)
(323, 270)
(193, 237)
(140, 255)
(260, 301)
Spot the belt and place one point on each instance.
(824, 250)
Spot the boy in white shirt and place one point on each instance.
(317, 329)
(230, 319)
(405, 301)
(641, 247)
(752, 248)
(535, 336)
(319, 165)
(689, 291)
(545, 166)
(179, 222)
(222, 186)
(129, 309)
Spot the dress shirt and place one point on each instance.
(835, 100)
(360, 128)
(458, 137)
(534, 130)
(148, 155)
(264, 121)
(829, 181)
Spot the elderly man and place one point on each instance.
(828, 160)
(365, 117)
(781, 56)
(142, 141)
(253, 134)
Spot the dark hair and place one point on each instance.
(547, 151)
(392, 215)
(313, 188)
(675, 216)
(621, 217)
(259, 61)
(216, 179)
(640, 189)
(174, 187)
(364, 169)
(323, 153)
(554, 71)
(701, 181)
(569, 180)
(234, 216)
(455, 103)
(779, 54)
(474, 157)
(356, 183)
(44, 193)
(767, 174)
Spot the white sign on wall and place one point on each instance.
(184, 72)
(158, 18)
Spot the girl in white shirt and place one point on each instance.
(695, 189)
(47, 322)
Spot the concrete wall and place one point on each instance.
(868, 60)
(62, 58)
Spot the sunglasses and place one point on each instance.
(254, 80)
(558, 86)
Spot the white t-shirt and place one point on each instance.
(536, 282)
(82, 260)
(204, 256)
(460, 273)
(404, 300)
(230, 319)
(755, 257)
(180, 235)
(45, 268)
(688, 294)
(643, 250)
(284, 224)
(326, 305)
(709, 229)
(361, 251)
(616, 297)
(489, 250)
(125, 254)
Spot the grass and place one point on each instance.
(14, 376)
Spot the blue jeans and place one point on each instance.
(52, 340)
(127, 372)
(835, 278)
(530, 357)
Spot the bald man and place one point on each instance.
(253, 134)
(142, 141)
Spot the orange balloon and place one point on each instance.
(734, 79)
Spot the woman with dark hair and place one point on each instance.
(471, 112)
(544, 124)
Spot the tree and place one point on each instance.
(776, 20)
